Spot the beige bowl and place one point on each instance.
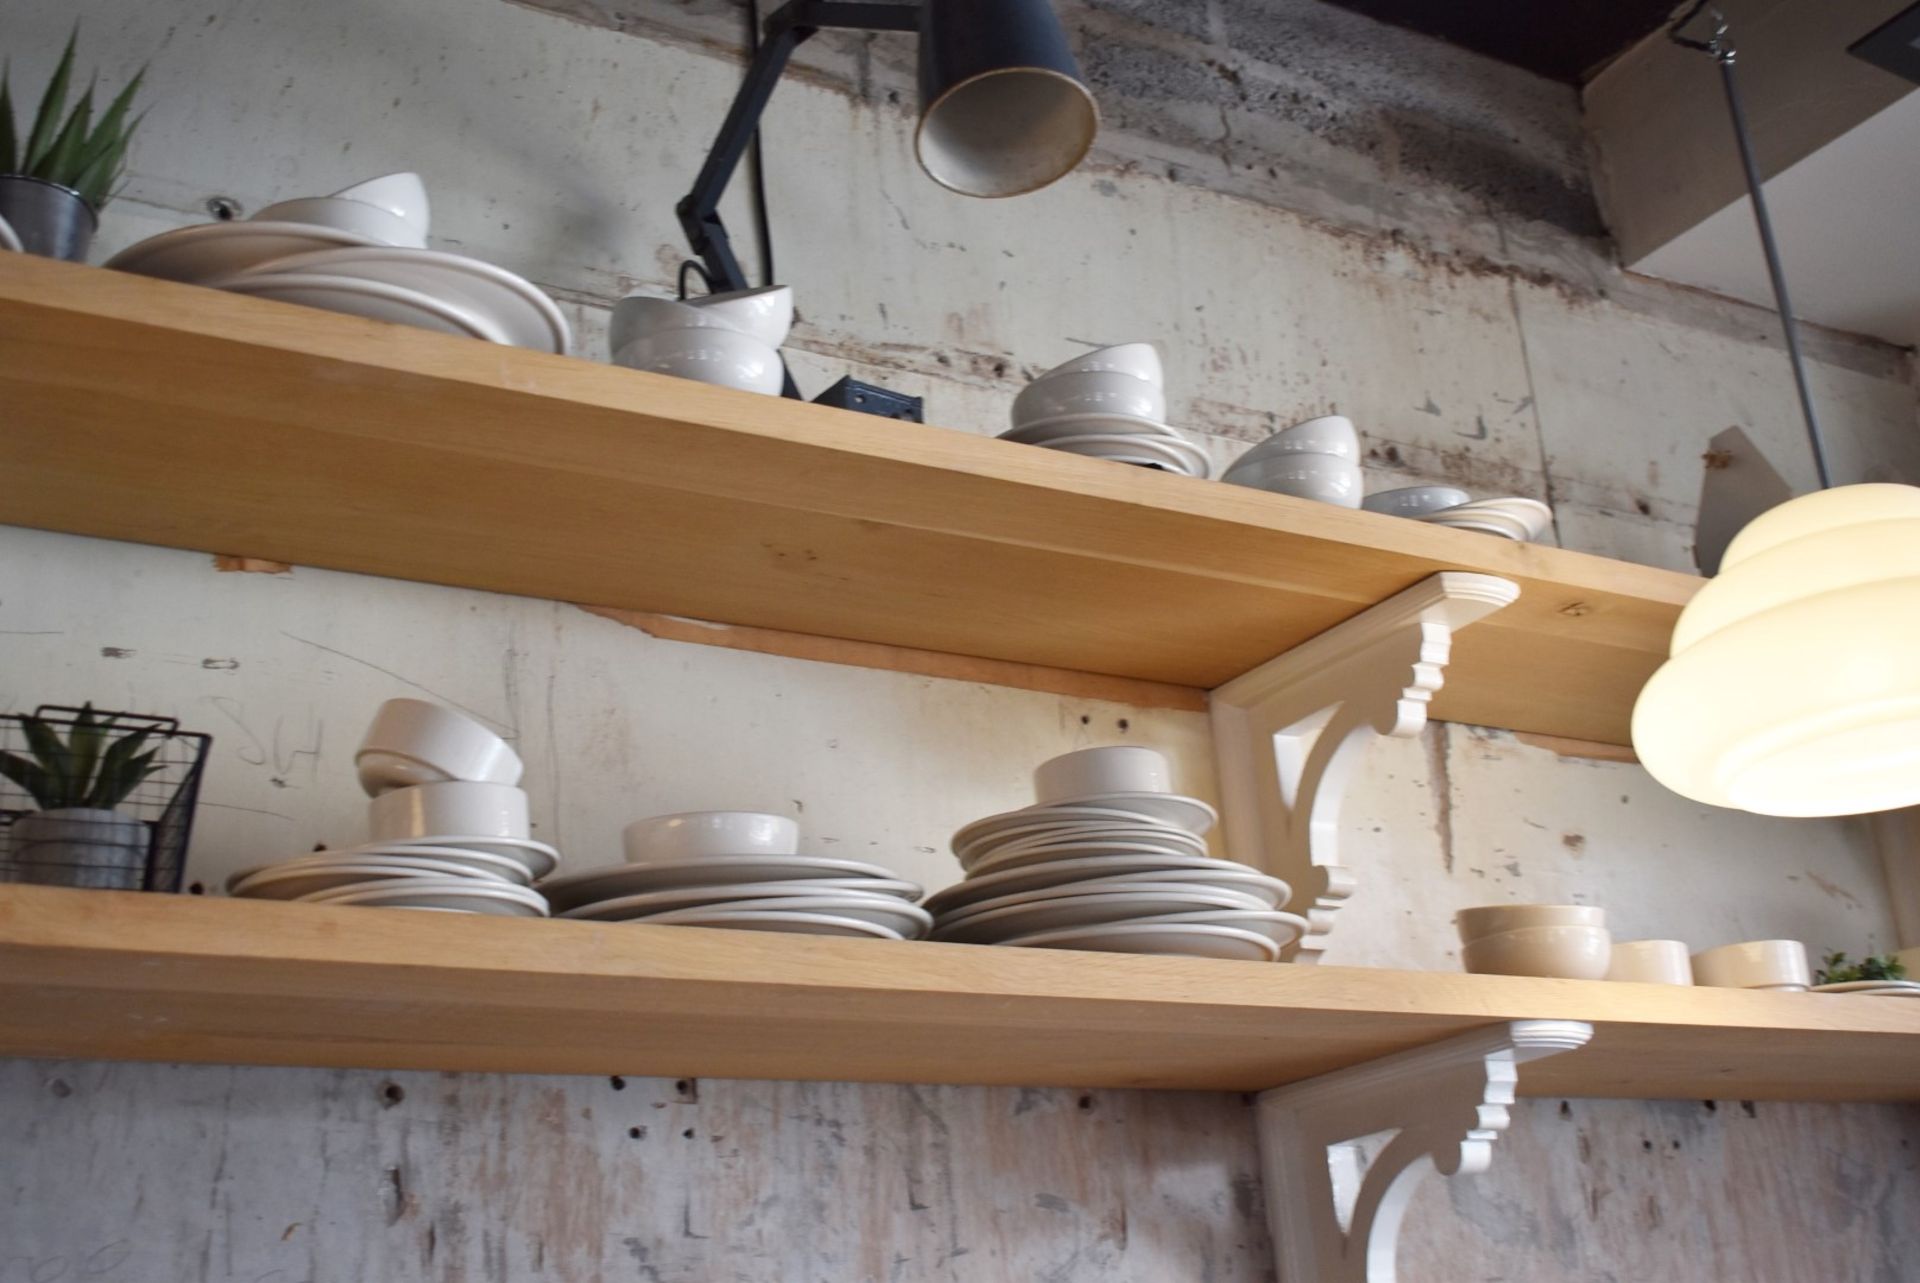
(1651, 962)
(1755, 964)
(1490, 919)
(1563, 952)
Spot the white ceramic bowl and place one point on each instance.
(1088, 392)
(459, 807)
(1329, 434)
(719, 356)
(1567, 953)
(1754, 964)
(414, 742)
(1415, 501)
(353, 216)
(1651, 962)
(1491, 919)
(765, 314)
(403, 195)
(695, 835)
(1141, 360)
(1324, 478)
(638, 316)
(1093, 772)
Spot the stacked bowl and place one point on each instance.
(1110, 403)
(739, 869)
(1567, 941)
(1318, 460)
(361, 251)
(1111, 860)
(1513, 517)
(449, 825)
(732, 340)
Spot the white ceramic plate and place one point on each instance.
(373, 300)
(211, 250)
(998, 920)
(518, 310)
(1484, 525)
(1871, 986)
(1102, 871)
(1041, 431)
(999, 862)
(537, 858)
(294, 879)
(967, 834)
(468, 895)
(1106, 445)
(643, 903)
(8, 239)
(485, 863)
(1193, 940)
(1188, 813)
(613, 880)
(1414, 501)
(907, 921)
(805, 924)
(1078, 832)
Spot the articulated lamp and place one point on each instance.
(1793, 682)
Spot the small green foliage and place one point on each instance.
(1837, 970)
(92, 767)
(70, 148)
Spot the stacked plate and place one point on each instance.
(360, 251)
(1108, 404)
(1110, 860)
(743, 870)
(1318, 460)
(449, 824)
(732, 340)
(1522, 520)
(1874, 988)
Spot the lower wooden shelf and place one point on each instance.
(147, 977)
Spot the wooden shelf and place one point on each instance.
(161, 413)
(147, 977)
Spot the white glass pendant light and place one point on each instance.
(1793, 686)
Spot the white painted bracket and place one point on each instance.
(1287, 734)
(1335, 1217)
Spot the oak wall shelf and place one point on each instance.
(118, 975)
(161, 413)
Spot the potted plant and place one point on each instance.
(56, 176)
(77, 838)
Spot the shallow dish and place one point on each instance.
(1193, 940)
(804, 924)
(212, 250)
(291, 879)
(1009, 841)
(722, 871)
(1188, 813)
(1413, 501)
(1001, 861)
(647, 903)
(1888, 987)
(468, 895)
(372, 300)
(904, 920)
(1098, 871)
(1055, 814)
(1043, 911)
(537, 858)
(1163, 451)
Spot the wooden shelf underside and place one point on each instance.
(146, 977)
(161, 413)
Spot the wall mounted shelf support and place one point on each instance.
(1335, 1216)
(1288, 734)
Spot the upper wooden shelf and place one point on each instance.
(169, 414)
(149, 977)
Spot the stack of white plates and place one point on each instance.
(1108, 404)
(739, 869)
(451, 879)
(1522, 520)
(361, 252)
(1110, 860)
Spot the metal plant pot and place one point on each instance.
(50, 220)
(81, 846)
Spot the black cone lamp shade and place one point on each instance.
(1003, 110)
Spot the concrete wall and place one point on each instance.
(1335, 255)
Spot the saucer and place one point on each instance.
(1097, 871)
(722, 871)
(374, 300)
(538, 858)
(804, 924)
(1195, 940)
(201, 253)
(967, 834)
(466, 895)
(1188, 813)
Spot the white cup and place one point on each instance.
(765, 313)
(1651, 962)
(694, 835)
(1754, 964)
(1095, 772)
(1491, 919)
(450, 808)
(1324, 478)
(1088, 392)
(1565, 952)
(347, 216)
(1141, 360)
(414, 742)
(714, 355)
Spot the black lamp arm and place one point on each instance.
(783, 32)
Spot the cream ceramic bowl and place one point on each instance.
(1566, 953)
(723, 357)
(353, 216)
(1491, 919)
(1329, 434)
(1415, 501)
(1141, 360)
(695, 835)
(1754, 964)
(414, 742)
(765, 314)
(1097, 772)
(460, 808)
(1088, 392)
(638, 316)
(403, 195)
(1651, 962)
(1324, 478)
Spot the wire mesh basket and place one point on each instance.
(138, 845)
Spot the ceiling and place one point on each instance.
(1565, 40)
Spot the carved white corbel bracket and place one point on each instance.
(1288, 734)
(1334, 1217)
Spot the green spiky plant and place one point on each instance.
(93, 767)
(1840, 971)
(67, 147)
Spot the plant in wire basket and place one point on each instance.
(78, 837)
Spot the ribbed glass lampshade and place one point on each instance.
(1793, 685)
